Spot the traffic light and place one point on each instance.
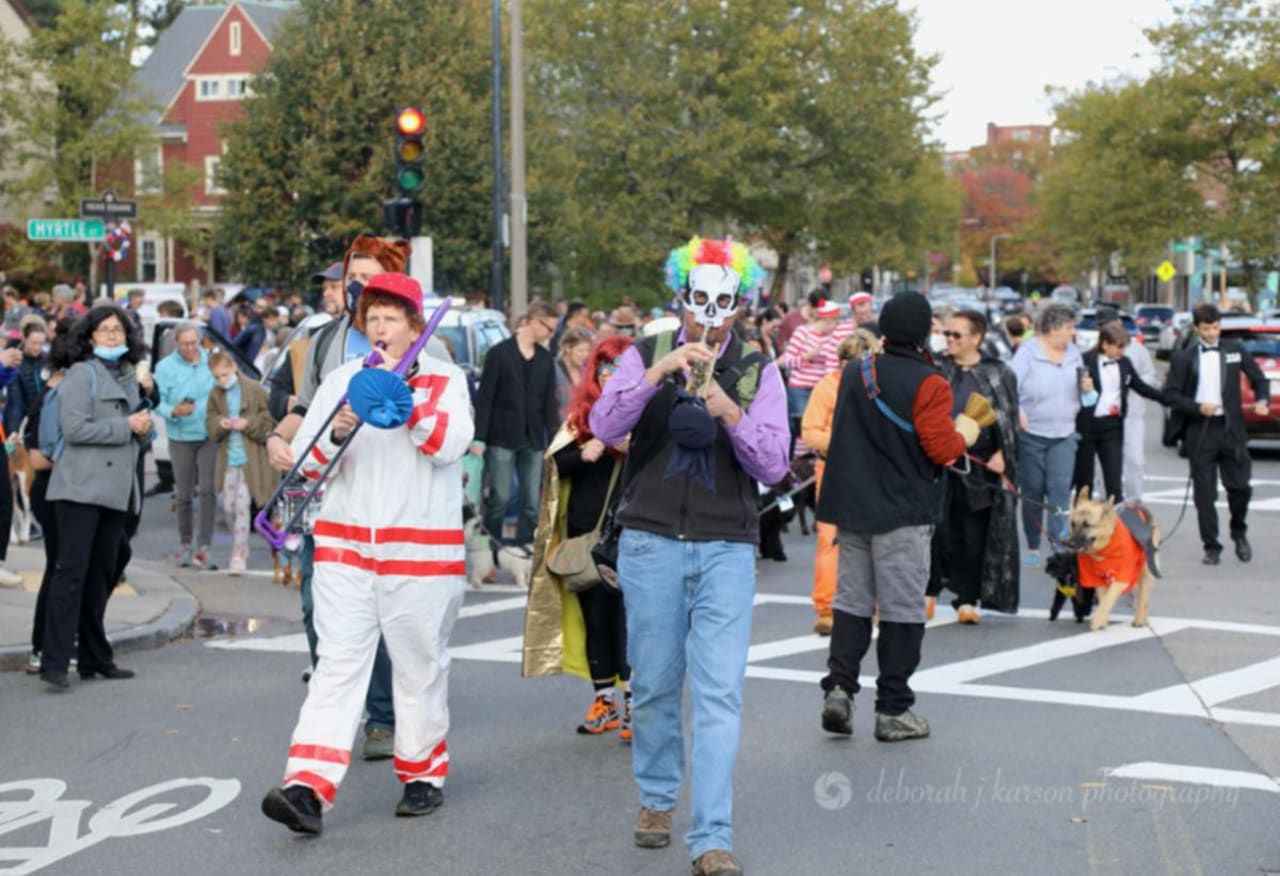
(403, 213)
(411, 127)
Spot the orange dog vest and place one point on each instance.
(1123, 559)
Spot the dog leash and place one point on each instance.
(1006, 485)
(803, 485)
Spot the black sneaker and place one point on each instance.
(837, 712)
(1212, 556)
(420, 798)
(296, 807)
(1244, 552)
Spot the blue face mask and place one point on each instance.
(354, 288)
(111, 354)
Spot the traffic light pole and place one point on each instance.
(497, 300)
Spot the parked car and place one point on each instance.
(1087, 328)
(1006, 301)
(471, 331)
(1262, 340)
(1172, 333)
(1151, 318)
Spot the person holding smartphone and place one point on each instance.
(185, 382)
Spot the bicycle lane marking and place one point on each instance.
(116, 820)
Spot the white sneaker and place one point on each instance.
(9, 578)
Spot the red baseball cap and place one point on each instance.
(399, 286)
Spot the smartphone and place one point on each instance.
(187, 401)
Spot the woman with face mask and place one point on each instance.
(93, 486)
(239, 422)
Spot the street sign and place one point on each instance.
(1166, 271)
(108, 207)
(1184, 247)
(67, 230)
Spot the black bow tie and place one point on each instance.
(1111, 362)
(1204, 348)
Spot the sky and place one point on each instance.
(998, 56)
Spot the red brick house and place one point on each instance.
(200, 70)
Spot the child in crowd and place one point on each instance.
(238, 420)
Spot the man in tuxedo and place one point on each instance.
(1203, 389)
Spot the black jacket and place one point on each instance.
(24, 392)
(511, 412)
(1129, 379)
(1184, 377)
(878, 477)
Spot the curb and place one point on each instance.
(175, 622)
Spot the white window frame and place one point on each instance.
(153, 242)
(242, 82)
(215, 85)
(149, 185)
(211, 164)
(236, 42)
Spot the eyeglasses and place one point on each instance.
(109, 330)
(955, 336)
(551, 328)
(606, 368)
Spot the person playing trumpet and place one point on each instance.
(389, 560)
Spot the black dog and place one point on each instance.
(805, 498)
(773, 518)
(1064, 568)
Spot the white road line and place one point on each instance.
(495, 607)
(1183, 479)
(1194, 775)
(1214, 690)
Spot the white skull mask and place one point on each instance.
(712, 294)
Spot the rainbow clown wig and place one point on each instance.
(709, 275)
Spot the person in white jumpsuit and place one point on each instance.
(1135, 424)
(389, 560)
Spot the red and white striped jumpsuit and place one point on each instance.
(389, 561)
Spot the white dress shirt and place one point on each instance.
(1108, 389)
(1209, 389)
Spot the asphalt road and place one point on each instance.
(1055, 750)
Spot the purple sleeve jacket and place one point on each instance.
(761, 439)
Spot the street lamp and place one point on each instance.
(992, 285)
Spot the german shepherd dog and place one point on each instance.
(1117, 553)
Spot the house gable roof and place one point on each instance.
(163, 74)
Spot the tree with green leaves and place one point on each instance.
(74, 122)
(800, 124)
(310, 165)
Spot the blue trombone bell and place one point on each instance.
(380, 398)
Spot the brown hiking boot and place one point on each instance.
(653, 828)
(716, 862)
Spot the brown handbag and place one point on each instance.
(571, 560)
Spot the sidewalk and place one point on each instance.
(151, 610)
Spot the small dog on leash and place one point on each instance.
(1117, 553)
(21, 475)
(482, 559)
(776, 511)
(1064, 568)
(805, 498)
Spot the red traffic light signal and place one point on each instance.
(411, 121)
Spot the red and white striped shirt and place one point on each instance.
(806, 373)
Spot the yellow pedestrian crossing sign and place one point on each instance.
(1166, 271)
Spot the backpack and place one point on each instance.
(50, 435)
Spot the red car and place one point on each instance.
(1262, 340)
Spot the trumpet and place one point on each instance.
(701, 374)
(277, 536)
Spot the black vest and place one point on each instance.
(878, 477)
(681, 508)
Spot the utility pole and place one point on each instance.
(519, 204)
(992, 279)
(496, 297)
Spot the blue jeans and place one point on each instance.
(1045, 467)
(688, 607)
(377, 702)
(500, 463)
